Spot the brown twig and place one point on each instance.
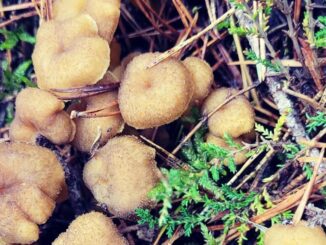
(308, 189)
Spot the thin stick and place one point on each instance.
(100, 112)
(201, 123)
(299, 212)
(20, 6)
(302, 97)
(17, 17)
(243, 168)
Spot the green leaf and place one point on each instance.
(10, 41)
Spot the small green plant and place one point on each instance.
(11, 38)
(320, 35)
(251, 55)
(314, 122)
(200, 191)
(13, 80)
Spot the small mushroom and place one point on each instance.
(91, 228)
(201, 75)
(89, 130)
(120, 69)
(151, 97)
(239, 155)
(121, 174)
(106, 13)
(299, 234)
(235, 118)
(70, 53)
(31, 179)
(38, 112)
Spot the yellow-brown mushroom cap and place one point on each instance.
(31, 179)
(235, 118)
(201, 74)
(121, 174)
(38, 112)
(239, 155)
(150, 97)
(91, 228)
(70, 53)
(89, 129)
(120, 69)
(299, 234)
(106, 13)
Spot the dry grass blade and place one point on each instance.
(299, 212)
(175, 49)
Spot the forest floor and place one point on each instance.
(273, 52)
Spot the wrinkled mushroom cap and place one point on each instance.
(106, 13)
(121, 174)
(90, 129)
(201, 74)
(90, 228)
(70, 53)
(150, 97)
(38, 112)
(299, 234)
(235, 118)
(31, 179)
(239, 156)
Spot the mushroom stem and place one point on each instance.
(101, 112)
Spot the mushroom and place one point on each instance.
(235, 118)
(70, 53)
(239, 155)
(119, 70)
(121, 174)
(31, 179)
(151, 97)
(38, 112)
(201, 75)
(106, 13)
(88, 130)
(90, 228)
(299, 234)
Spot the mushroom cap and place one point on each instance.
(299, 234)
(121, 174)
(150, 97)
(40, 112)
(106, 13)
(70, 53)
(239, 156)
(120, 69)
(88, 129)
(235, 118)
(31, 179)
(201, 74)
(89, 228)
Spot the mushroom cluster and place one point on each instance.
(236, 119)
(73, 52)
(48, 118)
(153, 96)
(31, 180)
